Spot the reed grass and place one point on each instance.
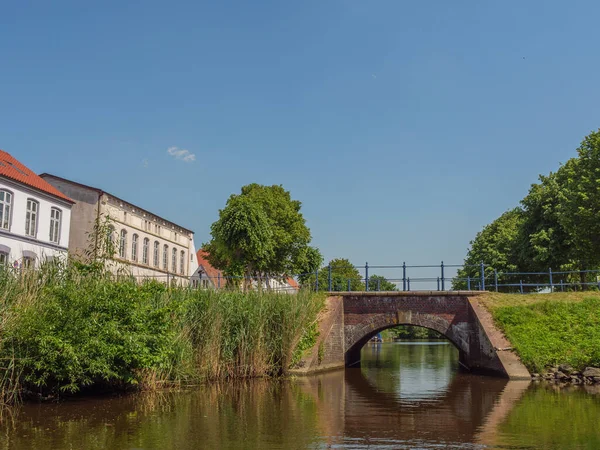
(66, 329)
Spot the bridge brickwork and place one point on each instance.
(352, 318)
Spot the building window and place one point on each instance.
(166, 257)
(174, 261)
(31, 217)
(123, 244)
(182, 263)
(55, 217)
(145, 250)
(3, 259)
(28, 262)
(5, 205)
(134, 247)
(156, 251)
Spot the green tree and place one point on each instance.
(342, 272)
(496, 246)
(377, 282)
(579, 204)
(261, 232)
(543, 242)
(242, 241)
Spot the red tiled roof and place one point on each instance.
(293, 283)
(13, 169)
(211, 272)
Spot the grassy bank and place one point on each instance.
(550, 329)
(66, 329)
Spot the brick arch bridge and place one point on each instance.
(352, 318)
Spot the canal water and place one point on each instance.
(407, 395)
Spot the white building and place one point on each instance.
(35, 217)
(147, 245)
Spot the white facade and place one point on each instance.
(142, 239)
(26, 238)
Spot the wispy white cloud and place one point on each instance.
(181, 154)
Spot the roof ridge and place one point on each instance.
(15, 170)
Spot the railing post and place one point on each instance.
(468, 283)
(218, 281)
(562, 287)
(408, 281)
(521, 285)
(329, 269)
(482, 283)
(404, 276)
(367, 276)
(349, 286)
(378, 285)
(438, 280)
(496, 279)
(442, 267)
(317, 280)
(551, 283)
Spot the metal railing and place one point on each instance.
(404, 277)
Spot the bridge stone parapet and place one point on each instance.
(352, 318)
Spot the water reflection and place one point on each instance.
(418, 370)
(403, 396)
(407, 395)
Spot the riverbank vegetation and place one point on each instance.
(555, 228)
(550, 329)
(71, 328)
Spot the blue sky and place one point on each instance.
(403, 127)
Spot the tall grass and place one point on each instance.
(64, 329)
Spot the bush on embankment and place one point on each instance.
(66, 329)
(550, 329)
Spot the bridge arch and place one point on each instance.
(373, 324)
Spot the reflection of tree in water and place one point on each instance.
(237, 415)
(548, 418)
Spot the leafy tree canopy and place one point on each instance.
(496, 245)
(261, 231)
(342, 272)
(377, 282)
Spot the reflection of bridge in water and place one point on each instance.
(465, 410)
